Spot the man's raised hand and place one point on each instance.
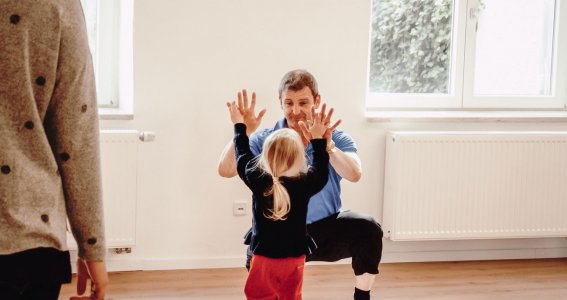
(329, 132)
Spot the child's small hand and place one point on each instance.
(318, 125)
(247, 109)
(235, 115)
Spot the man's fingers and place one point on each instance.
(313, 115)
(328, 119)
(240, 103)
(335, 125)
(261, 114)
(253, 103)
(245, 99)
(322, 113)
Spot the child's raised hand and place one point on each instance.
(318, 125)
(247, 109)
(235, 115)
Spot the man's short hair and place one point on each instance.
(296, 80)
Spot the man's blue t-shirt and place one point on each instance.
(328, 200)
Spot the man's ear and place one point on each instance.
(317, 101)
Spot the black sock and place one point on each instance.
(361, 295)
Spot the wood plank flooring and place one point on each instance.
(493, 280)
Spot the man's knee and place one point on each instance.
(367, 250)
(375, 229)
(368, 227)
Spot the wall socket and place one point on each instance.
(239, 208)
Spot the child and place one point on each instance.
(281, 185)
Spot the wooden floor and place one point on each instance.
(493, 280)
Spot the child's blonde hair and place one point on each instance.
(283, 154)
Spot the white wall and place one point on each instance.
(190, 57)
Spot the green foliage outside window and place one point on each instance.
(410, 46)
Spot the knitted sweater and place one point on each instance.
(49, 147)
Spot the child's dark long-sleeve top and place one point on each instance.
(282, 238)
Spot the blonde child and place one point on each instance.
(281, 184)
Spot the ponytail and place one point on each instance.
(282, 155)
(281, 201)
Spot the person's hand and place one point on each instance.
(251, 120)
(315, 127)
(235, 115)
(329, 132)
(318, 125)
(96, 272)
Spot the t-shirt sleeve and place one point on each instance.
(257, 141)
(344, 142)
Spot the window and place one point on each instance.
(468, 54)
(109, 27)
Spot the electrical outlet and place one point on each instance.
(239, 208)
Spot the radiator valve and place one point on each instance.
(122, 250)
(147, 136)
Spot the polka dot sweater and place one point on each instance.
(49, 149)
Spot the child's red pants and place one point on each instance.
(271, 277)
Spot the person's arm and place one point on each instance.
(71, 125)
(318, 173)
(96, 272)
(227, 161)
(243, 153)
(244, 156)
(346, 164)
(315, 129)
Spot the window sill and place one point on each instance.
(114, 114)
(469, 116)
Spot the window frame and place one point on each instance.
(460, 96)
(113, 57)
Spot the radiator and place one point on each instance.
(119, 158)
(475, 185)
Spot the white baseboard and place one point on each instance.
(463, 255)
(128, 262)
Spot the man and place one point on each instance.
(49, 153)
(338, 234)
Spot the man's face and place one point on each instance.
(297, 106)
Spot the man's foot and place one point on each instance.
(361, 295)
